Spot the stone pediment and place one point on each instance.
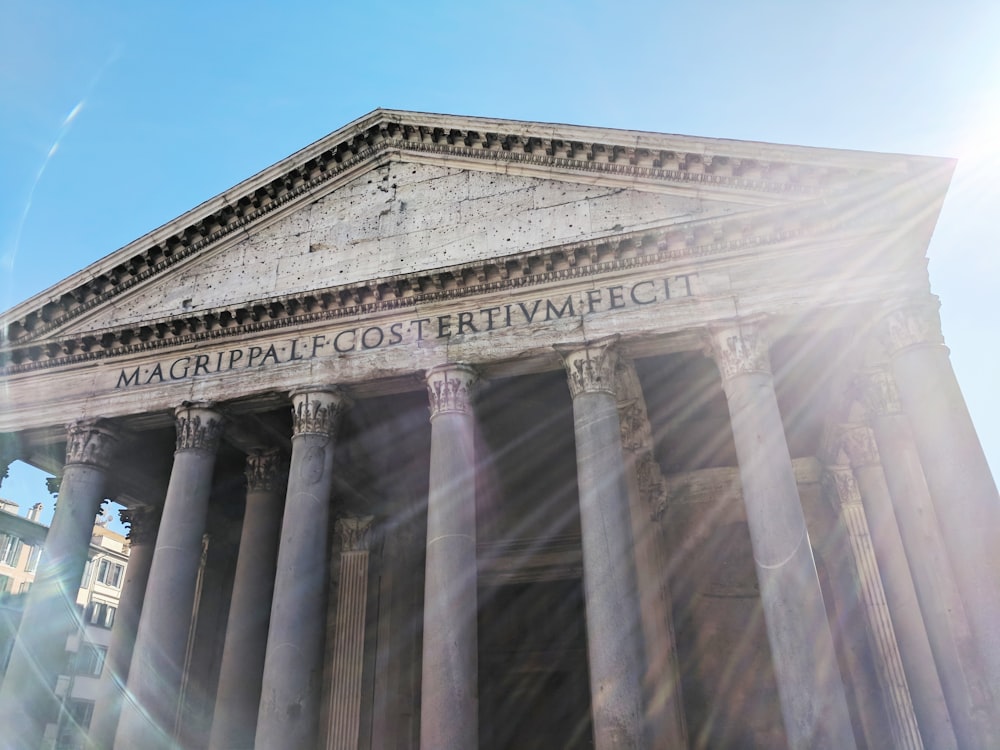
(399, 204)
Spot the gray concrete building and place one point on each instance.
(449, 433)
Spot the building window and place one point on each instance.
(33, 555)
(5, 584)
(10, 550)
(25, 586)
(89, 660)
(74, 724)
(101, 614)
(110, 573)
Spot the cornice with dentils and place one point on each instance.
(784, 172)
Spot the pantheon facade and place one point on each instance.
(453, 433)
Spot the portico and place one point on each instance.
(505, 438)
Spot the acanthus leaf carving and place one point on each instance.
(355, 533)
(266, 471)
(839, 487)
(858, 442)
(90, 442)
(198, 428)
(450, 389)
(591, 368)
(911, 325)
(740, 349)
(317, 412)
(878, 391)
(143, 522)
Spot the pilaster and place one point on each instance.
(349, 638)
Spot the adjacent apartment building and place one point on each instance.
(21, 542)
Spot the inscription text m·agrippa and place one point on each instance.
(361, 338)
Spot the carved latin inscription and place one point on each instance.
(449, 388)
(90, 443)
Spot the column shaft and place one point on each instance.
(155, 675)
(238, 695)
(961, 485)
(449, 701)
(963, 679)
(27, 701)
(289, 702)
(349, 640)
(614, 629)
(142, 535)
(809, 686)
(665, 725)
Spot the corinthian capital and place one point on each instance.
(355, 533)
(450, 388)
(591, 368)
(266, 471)
(913, 324)
(317, 412)
(199, 427)
(90, 442)
(858, 443)
(838, 485)
(878, 391)
(740, 349)
(143, 521)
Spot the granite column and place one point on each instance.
(143, 521)
(156, 673)
(963, 679)
(961, 485)
(293, 665)
(238, 693)
(810, 689)
(614, 628)
(27, 701)
(449, 702)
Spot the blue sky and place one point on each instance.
(115, 117)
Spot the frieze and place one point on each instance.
(198, 428)
(90, 442)
(449, 389)
(266, 471)
(317, 412)
(414, 331)
(740, 349)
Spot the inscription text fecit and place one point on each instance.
(363, 338)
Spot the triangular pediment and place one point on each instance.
(399, 202)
